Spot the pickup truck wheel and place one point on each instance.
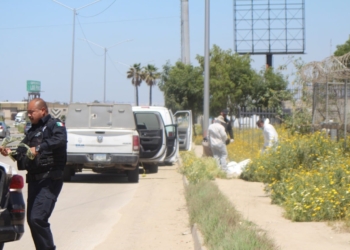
(153, 168)
(67, 174)
(133, 175)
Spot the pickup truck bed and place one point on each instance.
(102, 137)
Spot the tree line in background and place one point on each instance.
(343, 48)
(233, 83)
(148, 74)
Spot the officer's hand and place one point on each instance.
(33, 151)
(5, 151)
(8, 151)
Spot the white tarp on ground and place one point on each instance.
(235, 169)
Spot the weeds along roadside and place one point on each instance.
(308, 175)
(221, 225)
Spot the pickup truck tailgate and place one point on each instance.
(100, 141)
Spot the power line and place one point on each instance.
(86, 38)
(101, 11)
(119, 21)
(114, 65)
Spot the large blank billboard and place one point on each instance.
(269, 26)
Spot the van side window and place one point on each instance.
(150, 121)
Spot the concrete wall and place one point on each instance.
(58, 112)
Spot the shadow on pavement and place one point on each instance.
(103, 178)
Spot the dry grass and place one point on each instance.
(221, 225)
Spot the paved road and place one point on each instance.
(104, 211)
(86, 210)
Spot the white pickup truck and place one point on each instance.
(102, 137)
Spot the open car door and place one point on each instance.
(153, 136)
(184, 126)
(171, 143)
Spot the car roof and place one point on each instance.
(165, 113)
(8, 168)
(152, 108)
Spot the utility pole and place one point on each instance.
(206, 71)
(185, 33)
(72, 70)
(105, 55)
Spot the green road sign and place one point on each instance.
(33, 86)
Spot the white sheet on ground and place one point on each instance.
(235, 169)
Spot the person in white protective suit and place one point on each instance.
(217, 140)
(270, 134)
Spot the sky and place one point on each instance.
(36, 43)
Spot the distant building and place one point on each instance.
(10, 109)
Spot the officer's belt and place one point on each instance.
(53, 174)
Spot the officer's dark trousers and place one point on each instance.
(42, 196)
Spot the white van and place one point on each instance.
(20, 117)
(161, 136)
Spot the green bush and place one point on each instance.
(199, 169)
(198, 139)
(198, 129)
(308, 175)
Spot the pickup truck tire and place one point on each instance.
(152, 168)
(67, 174)
(133, 175)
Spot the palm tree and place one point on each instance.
(135, 73)
(150, 75)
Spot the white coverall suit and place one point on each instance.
(217, 142)
(270, 136)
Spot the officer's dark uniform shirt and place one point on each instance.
(44, 176)
(51, 136)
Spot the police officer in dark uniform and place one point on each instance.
(47, 140)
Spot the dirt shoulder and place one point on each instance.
(156, 218)
(253, 203)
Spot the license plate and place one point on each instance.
(100, 157)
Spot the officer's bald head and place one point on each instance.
(37, 109)
(39, 104)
